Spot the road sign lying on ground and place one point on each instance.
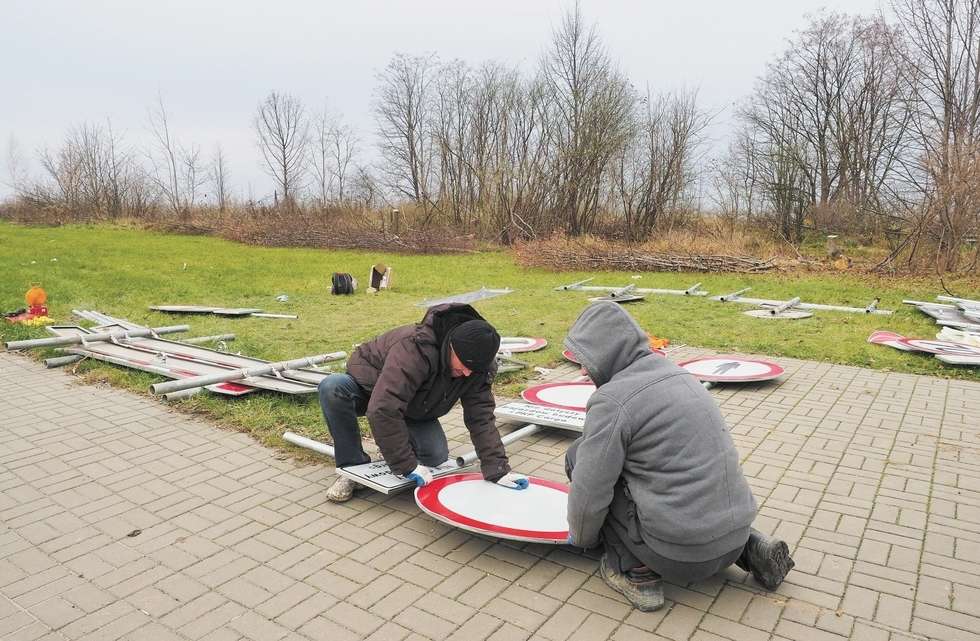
(732, 369)
(517, 344)
(945, 351)
(378, 476)
(891, 339)
(466, 297)
(540, 415)
(538, 513)
(566, 396)
(568, 356)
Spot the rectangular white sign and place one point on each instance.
(378, 476)
(541, 415)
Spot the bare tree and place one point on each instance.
(944, 58)
(590, 107)
(176, 169)
(656, 166)
(219, 177)
(332, 156)
(402, 115)
(283, 138)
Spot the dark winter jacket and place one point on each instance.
(653, 426)
(407, 374)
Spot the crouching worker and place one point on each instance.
(655, 476)
(403, 381)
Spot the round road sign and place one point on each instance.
(537, 513)
(566, 396)
(732, 369)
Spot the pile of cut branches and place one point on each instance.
(566, 255)
(284, 228)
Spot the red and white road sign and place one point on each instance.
(467, 501)
(516, 344)
(891, 339)
(567, 354)
(567, 396)
(732, 369)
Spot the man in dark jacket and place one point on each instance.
(403, 381)
(655, 474)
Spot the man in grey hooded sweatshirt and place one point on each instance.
(655, 475)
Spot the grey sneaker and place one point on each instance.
(645, 596)
(341, 490)
(767, 559)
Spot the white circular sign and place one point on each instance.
(537, 513)
(732, 369)
(568, 396)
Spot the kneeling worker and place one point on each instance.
(655, 475)
(403, 381)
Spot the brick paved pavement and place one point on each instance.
(873, 478)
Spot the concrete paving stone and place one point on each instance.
(867, 475)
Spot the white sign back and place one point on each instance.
(541, 415)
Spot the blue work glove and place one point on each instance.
(569, 541)
(421, 475)
(513, 481)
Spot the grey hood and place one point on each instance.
(606, 340)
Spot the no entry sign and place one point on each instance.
(732, 369)
(566, 396)
(467, 501)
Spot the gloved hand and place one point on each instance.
(513, 481)
(421, 475)
(569, 541)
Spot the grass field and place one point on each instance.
(122, 271)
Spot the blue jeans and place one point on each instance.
(342, 400)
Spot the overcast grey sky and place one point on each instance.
(63, 62)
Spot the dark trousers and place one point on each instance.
(625, 549)
(342, 400)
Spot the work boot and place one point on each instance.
(646, 593)
(767, 559)
(341, 490)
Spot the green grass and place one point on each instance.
(123, 271)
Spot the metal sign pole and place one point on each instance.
(262, 370)
(61, 341)
(309, 444)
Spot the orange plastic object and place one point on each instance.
(658, 343)
(35, 296)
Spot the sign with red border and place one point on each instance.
(566, 396)
(732, 369)
(517, 344)
(467, 501)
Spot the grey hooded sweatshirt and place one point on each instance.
(654, 425)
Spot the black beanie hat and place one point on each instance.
(476, 343)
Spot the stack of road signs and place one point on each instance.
(945, 351)
(959, 313)
(560, 405)
(537, 514)
(179, 361)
